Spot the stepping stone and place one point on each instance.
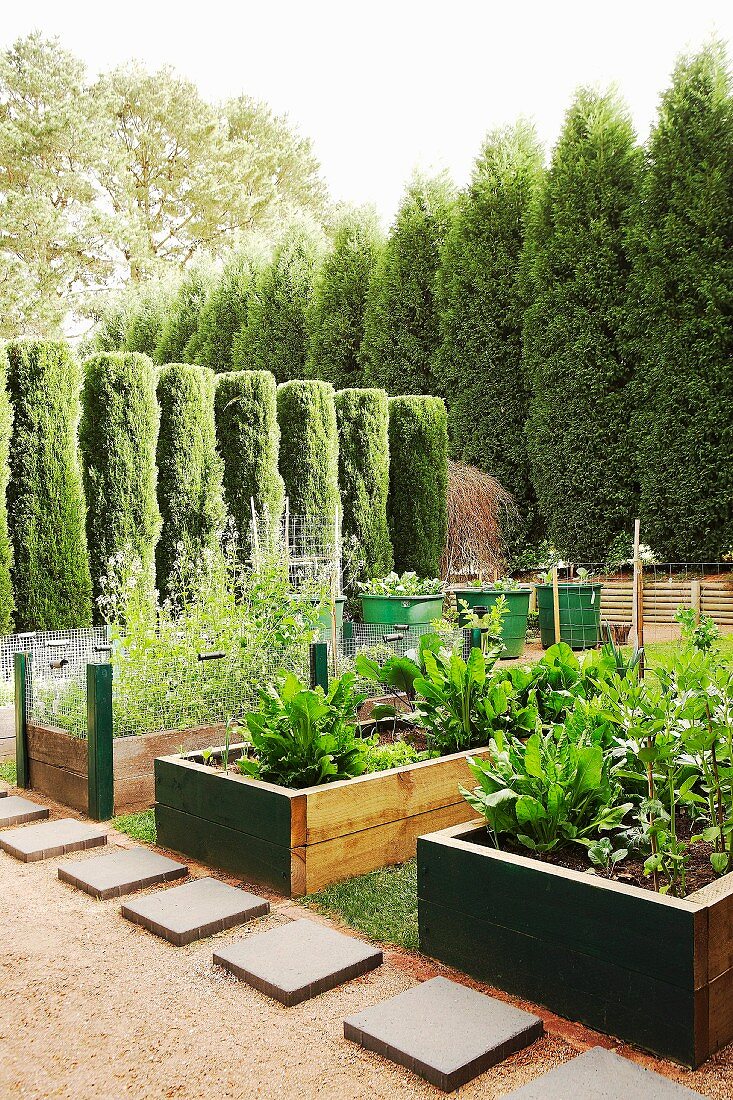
(51, 838)
(195, 910)
(444, 1031)
(601, 1075)
(298, 960)
(118, 873)
(16, 811)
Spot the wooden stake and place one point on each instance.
(637, 605)
(695, 597)
(556, 603)
(255, 533)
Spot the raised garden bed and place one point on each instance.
(58, 764)
(298, 841)
(652, 970)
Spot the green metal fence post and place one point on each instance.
(100, 762)
(475, 638)
(21, 666)
(319, 665)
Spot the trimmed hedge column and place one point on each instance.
(45, 498)
(6, 556)
(363, 420)
(189, 469)
(306, 412)
(418, 483)
(117, 436)
(248, 438)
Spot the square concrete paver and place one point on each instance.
(298, 960)
(118, 873)
(51, 838)
(601, 1075)
(444, 1031)
(15, 810)
(195, 910)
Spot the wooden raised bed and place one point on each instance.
(58, 764)
(298, 841)
(652, 970)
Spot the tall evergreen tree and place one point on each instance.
(362, 417)
(479, 359)
(6, 556)
(417, 505)
(275, 337)
(224, 313)
(336, 318)
(401, 331)
(682, 316)
(309, 449)
(178, 333)
(577, 270)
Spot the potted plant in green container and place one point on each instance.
(580, 611)
(408, 600)
(516, 598)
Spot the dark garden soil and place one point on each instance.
(631, 870)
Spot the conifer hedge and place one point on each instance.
(577, 269)
(680, 315)
(480, 356)
(401, 331)
(118, 434)
(6, 556)
(223, 315)
(362, 417)
(45, 497)
(418, 483)
(189, 470)
(178, 339)
(306, 413)
(248, 438)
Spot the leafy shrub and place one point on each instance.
(189, 469)
(409, 584)
(306, 413)
(418, 483)
(401, 324)
(118, 434)
(460, 703)
(362, 418)
(45, 498)
(304, 737)
(248, 439)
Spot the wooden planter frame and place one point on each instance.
(649, 969)
(298, 841)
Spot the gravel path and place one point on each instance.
(91, 1005)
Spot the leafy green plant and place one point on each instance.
(545, 793)
(302, 737)
(699, 631)
(602, 854)
(488, 620)
(461, 703)
(379, 758)
(398, 673)
(409, 584)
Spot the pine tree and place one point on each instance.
(275, 337)
(682, 337)
(336, 317)
(401, 330)
(479, 359)
(363, 421)
(577, 268)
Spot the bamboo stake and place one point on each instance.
(255, 534)
(556, 603)
(335, 571)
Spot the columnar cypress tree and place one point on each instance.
(189, 469)
(362, 417)
(418, 482)
(6, 557)
(306, 413)
(275, 337)
(224, 314)
(577, 270)
(248, 438)
(117, 437)
(336, 318)
(401, 331)
(149, 309)
(177, 339)
(45, 497)
(682, 338)
(479, 359)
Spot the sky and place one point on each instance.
(385, 87)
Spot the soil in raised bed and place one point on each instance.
(629, 871)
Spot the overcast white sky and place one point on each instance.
(385, 85)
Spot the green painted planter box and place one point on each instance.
(648, 969)
(401, 610)
(324, 618)
(580, 614)
(514, 627)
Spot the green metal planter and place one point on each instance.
(324, 618)
(514, 627)
(580, 614)
(401, 610)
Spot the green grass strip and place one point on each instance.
(382, 904)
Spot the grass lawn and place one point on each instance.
(8, 772)
(662, 653)
(382, 904)
(140, 826)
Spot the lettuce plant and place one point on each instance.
(407, 585)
